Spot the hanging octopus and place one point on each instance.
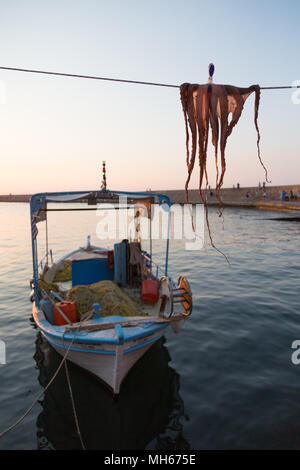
(208, 106)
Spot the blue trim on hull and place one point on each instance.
(145, 343)
(99, 351)
(73, 348)
(135, 333)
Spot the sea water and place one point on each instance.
(227, 381)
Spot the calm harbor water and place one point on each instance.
(225, 382)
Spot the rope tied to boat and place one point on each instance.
(63, 361)
(72, 398)
(73, 406)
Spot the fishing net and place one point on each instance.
(83, 298)
(65, 274)
(112, 300)
(47, 286)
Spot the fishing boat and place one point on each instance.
(113, 304)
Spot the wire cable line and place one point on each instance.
(137, 82)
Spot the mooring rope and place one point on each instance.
(73, 406)
(43, 391)
(72, 400)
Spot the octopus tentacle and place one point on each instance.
(193, 128)
(214, 124)
(256, 106)
(184, 88)
(186, 93)
(223, 137)
(201, 106)
(202, 113)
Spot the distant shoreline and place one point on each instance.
(231, 197)
(15, 198)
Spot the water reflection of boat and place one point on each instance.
(147, 414)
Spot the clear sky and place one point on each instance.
(55, 132)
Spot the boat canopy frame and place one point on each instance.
(38, 210)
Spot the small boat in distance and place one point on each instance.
(103, 307)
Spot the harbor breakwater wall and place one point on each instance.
(230, 197)
(234, 194)
(237, 197)
(15, 198)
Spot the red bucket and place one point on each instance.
(150, 290)
(69, 309)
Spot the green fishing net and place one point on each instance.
(65, 274)
(47, 287)
(112, 300)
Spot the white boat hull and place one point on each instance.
(111, 364)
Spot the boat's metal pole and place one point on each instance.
(87, 209)
(150, 240)
(168, 241)
(47, 254)
(34, 271)
(35, 268)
